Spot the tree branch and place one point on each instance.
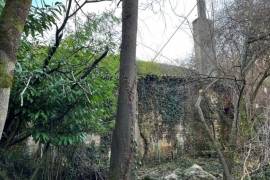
(259, 38)
(265, 76)
(214, 141)
(87, 72)
(58, 37)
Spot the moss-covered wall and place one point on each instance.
(168, 121)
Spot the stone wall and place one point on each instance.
(168, 121)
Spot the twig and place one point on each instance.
(84, 90)
(245, 170)
(22, 93)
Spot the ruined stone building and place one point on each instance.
(168, 121)
(204, 43)
(163, 118)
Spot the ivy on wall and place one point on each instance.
(165, 95)
(167, 101)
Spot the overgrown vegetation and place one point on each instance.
(65, 89)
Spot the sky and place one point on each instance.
(156, 25)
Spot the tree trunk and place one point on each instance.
(123, 142)
(12, 23)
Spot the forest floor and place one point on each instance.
(157, 170)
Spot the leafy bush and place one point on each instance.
(74, 94)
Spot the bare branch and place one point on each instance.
(22, 93)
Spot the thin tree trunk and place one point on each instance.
(216, 145)
(123, 142)
(12, 23)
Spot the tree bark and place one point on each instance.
(12, 23)
(123, 141)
